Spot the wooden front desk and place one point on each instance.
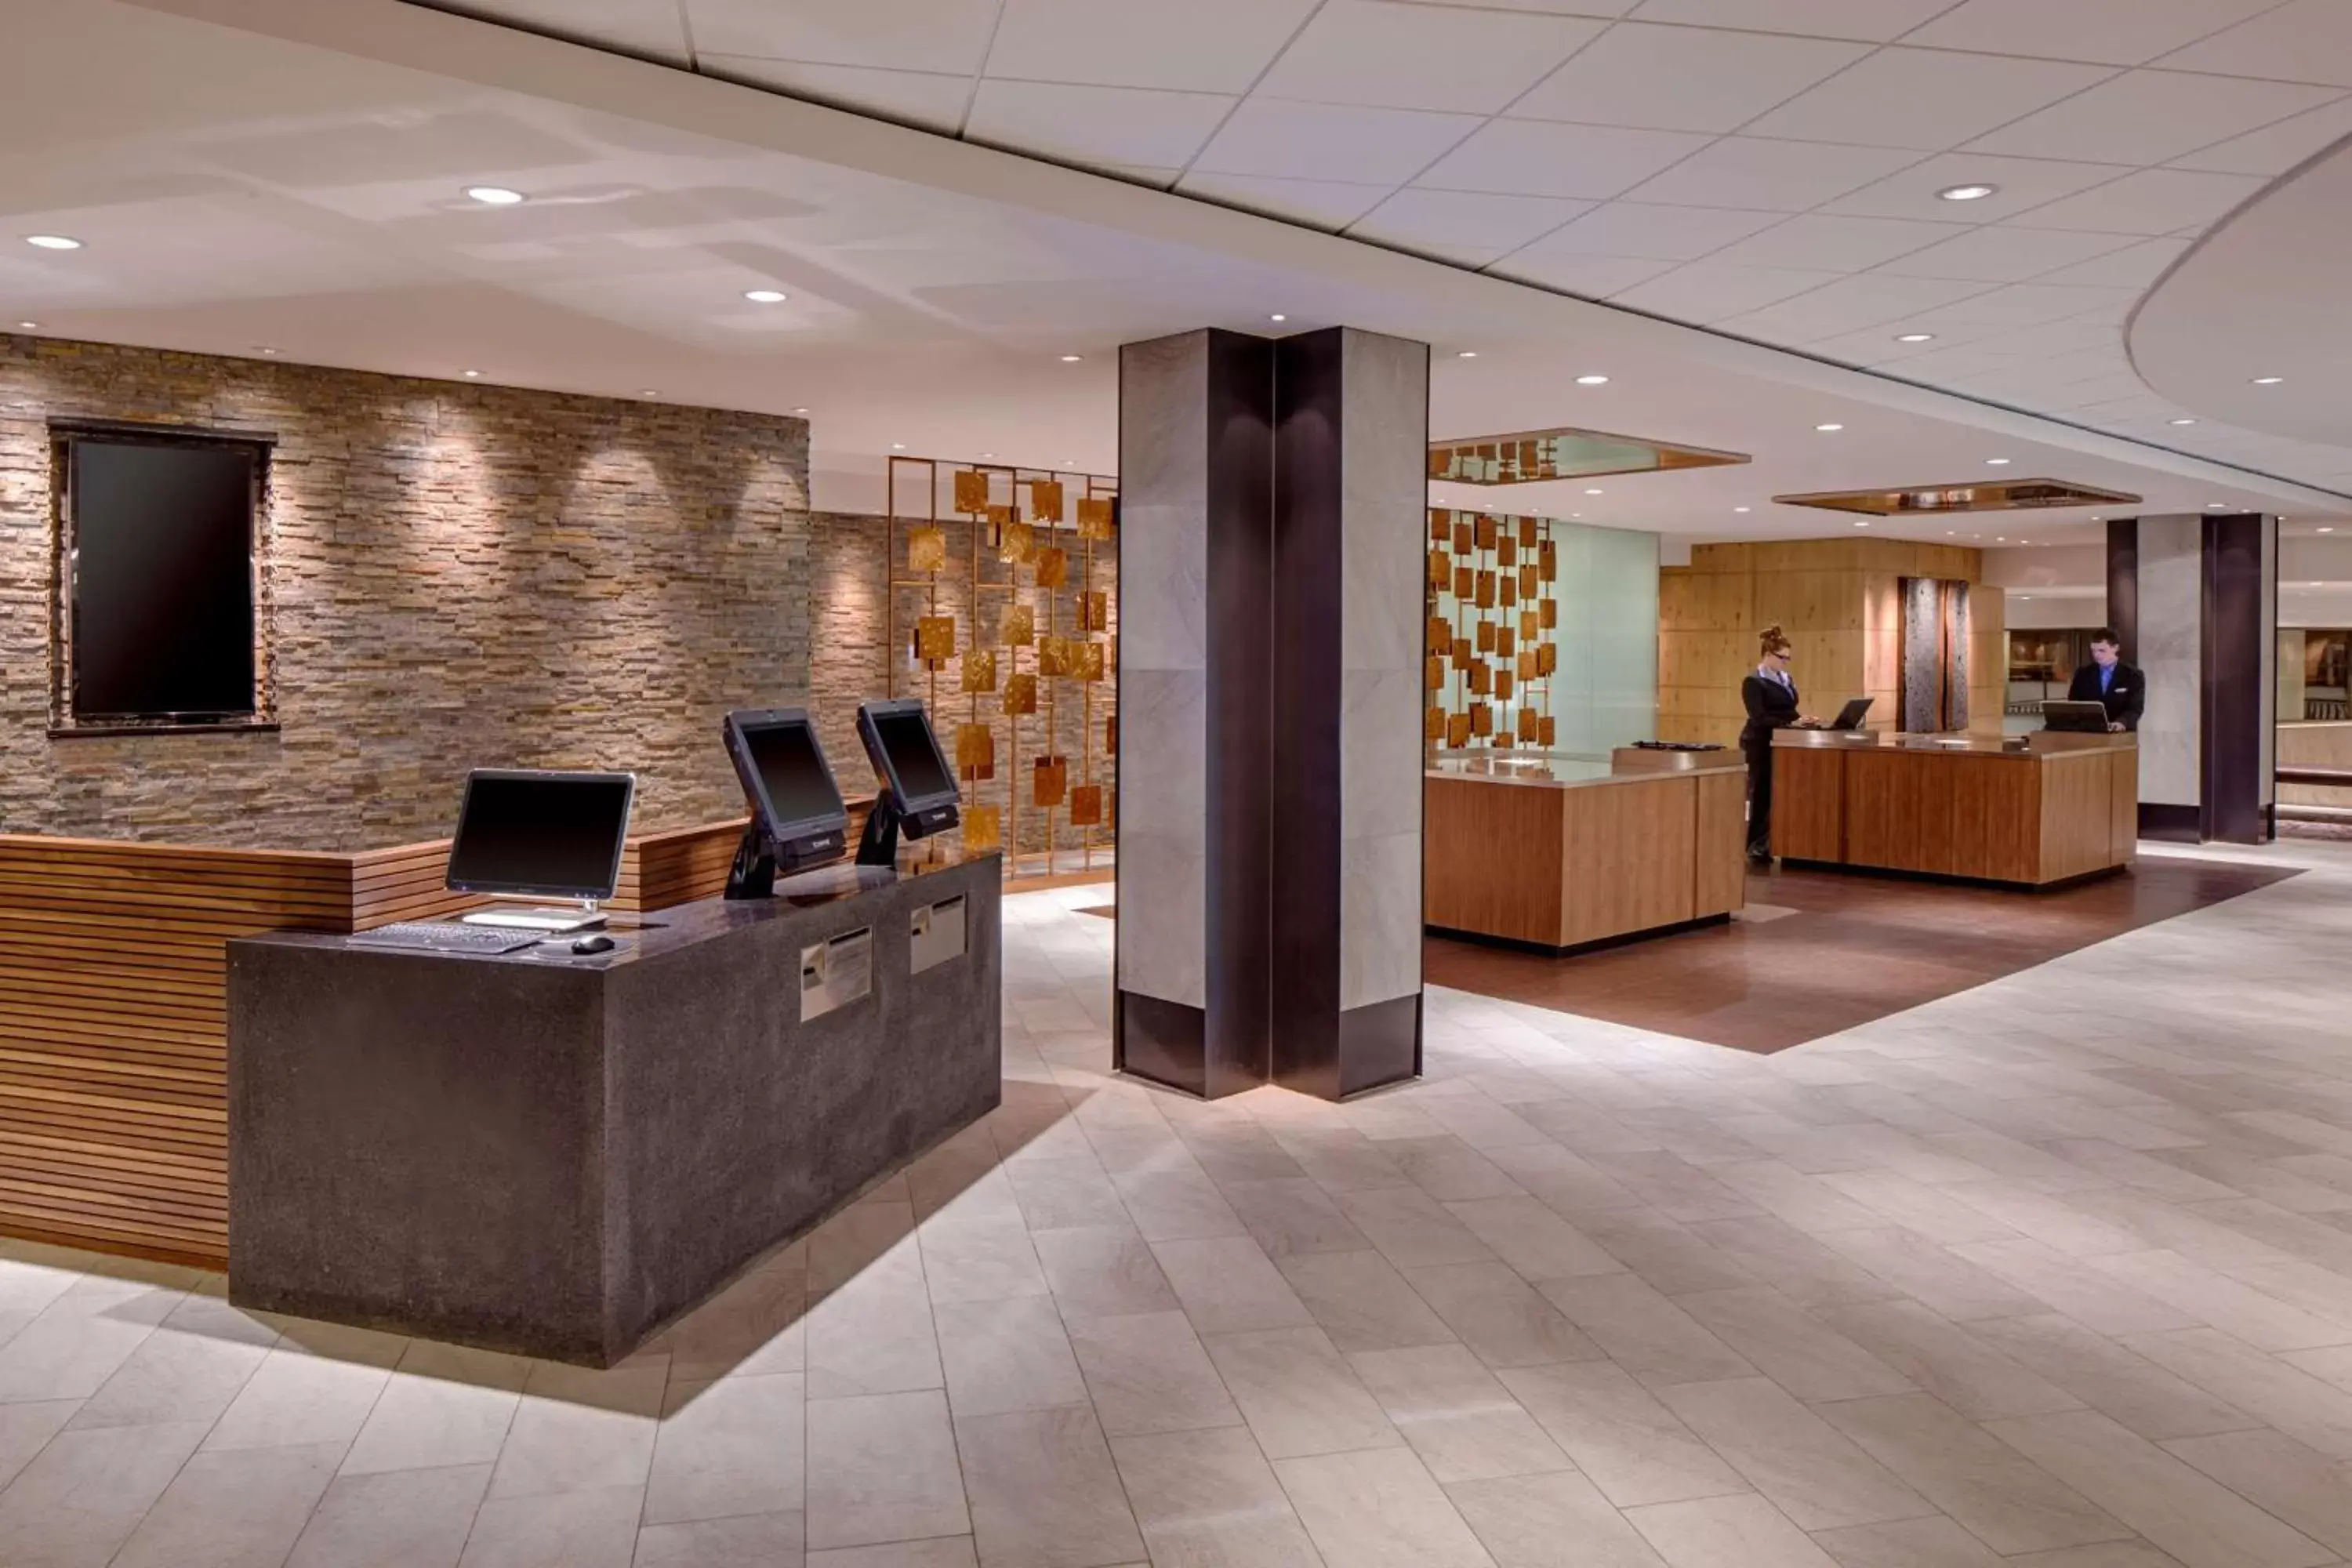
(1561, 853)
(2051, 809)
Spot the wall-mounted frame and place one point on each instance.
(161, 615)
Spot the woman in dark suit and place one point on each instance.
(1771, 697)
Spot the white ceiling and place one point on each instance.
(288, 174)
(1766, 167)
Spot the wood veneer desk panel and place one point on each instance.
(1974, 807)
(1560, 856)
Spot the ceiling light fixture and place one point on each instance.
(1829, 428)
(2215, 506)
(1914, 337)
(897, 446)
(1591, 381)
(1862, 522)
(649, 391)
(473, 375)
(53, 241)
(2259, 381)
(494, 196)
(1592, 492)
(1967, 193)
(1742, 509)
(1072, 359)
(2327, 531)
(800, 411)
(765, 296)
(28, 326)
(264, 349)
(1467, 354)
(2183, 421)
(1997, 462)
(1278, 318)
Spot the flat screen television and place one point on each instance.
(159, 577)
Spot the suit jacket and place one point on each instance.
(1770, 706)
(2125, 696)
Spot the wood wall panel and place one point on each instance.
(1491, 859)
(1626, 856)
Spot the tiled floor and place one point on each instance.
(2055, 1272)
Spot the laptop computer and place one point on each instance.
(1850, 717)
(2082, 718)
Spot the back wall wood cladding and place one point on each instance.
(463, 575)
(1840, 603)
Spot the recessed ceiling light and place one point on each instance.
(53, 241)
(2025, 598)
(1741, 508)
(985, 456)
(2259, 381)
(2000, 539)
(1592, 492)
(1072, 359)
(1572, 517)
(1467, 354)
(1862, 522)
(1914, 337)
(1997, 462)
(897, 446)
(1829, 427)
(2315, 584)
(2182, 421)
(28, 326)
(494, 196)
(649, 391)
(2214, 506)
(800, 411)
(2327, 531)
(1278, 318)
(765, 296)
(263, 349)
(1069, 462)
(1591, 381)
(473, 375)
(1967, 193)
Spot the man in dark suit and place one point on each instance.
(2107, 679)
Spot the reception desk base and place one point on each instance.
(558, 1154)
(1973, 810)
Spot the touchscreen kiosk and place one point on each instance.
(541, 834)
(918, 793)
(797, 817)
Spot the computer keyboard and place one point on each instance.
(447, 936)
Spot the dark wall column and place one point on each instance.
(2240, 685)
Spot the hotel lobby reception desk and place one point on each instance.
(1560, 852)
(556, 1154)
(1975, 807)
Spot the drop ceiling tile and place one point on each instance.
(1532, 157)
(2024, 305)
(1318, 203)
(2147, 117)
(1424, 220)
(2112, 32)
(1873, 21)
(2001, 254)
(1095, 125)
(1593, 276)
(2304, 40)
(2146, 201)
(1669, 234)
(1604, 8)
(925, 99)
(1682, 78)
(1420, 56)
(2020, 184)
(651, 28)
(2136, 265)
(1927, 99)
(1788, 177)
(1837, 244)
(948, 35)
(2276, 148)
(1325, 141)
(1200, 46)
(1849, 305)
(1711, 290)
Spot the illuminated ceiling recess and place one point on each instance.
(1535, 455)
(2010, 495)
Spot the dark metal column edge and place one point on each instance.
(2230, 694)
(2123, 584)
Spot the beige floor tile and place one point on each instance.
(746, 1540)
(1412, 1228)
(1293, 1216)
(2263, 1320)
(1633, 1447)
(25, 1430)
(1708, 1532)
(1447, 1169)
(1932, 1274)
(444, 1406)
(2305, 1488)
(80, 1339)
(2315, 1414)
(1211, 1499)
(1148, 1373)
(2010, 1503)
(755, 1326)
(1672, 1258)
(1103, 1272)
(1298, 1393)
(1810, 1471)
(2095, 1301)
(1479, 1122)
(1361, 1300)
(1642, 1331)
(941, 1552)
(401, 1519)
(1379, 1509)
(2057, 1221)
(1044, 1491)
(2126, 1387)
(1570, 1183)
(172, 1376)
(1676, 1188)
(988, 1259)
(1180, 1205)
(294, 1399)
(233, 1509)
(1554, 1520)
(1808, 1203)
(1793, 1347)
(1528, 1236)
(857, 1240)
(1238, 1152)
(882, 1467)
(1342, 1160)
(80, 1499)
(1500, 1315)
(729, 1447)
(1007, 1356)
(1950, 1362)
(580, 1430)
(1799, 1266)
(1463, 1423)
(2111, 1554)
(2181, 1511)
(875, 1334)
(1065, 1194)
(1935, 1542)
(565, 1530)
(1227, 1284)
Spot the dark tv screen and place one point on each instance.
(163, 578)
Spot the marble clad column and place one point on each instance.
(1272, 505)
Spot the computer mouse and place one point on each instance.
(597, 943)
